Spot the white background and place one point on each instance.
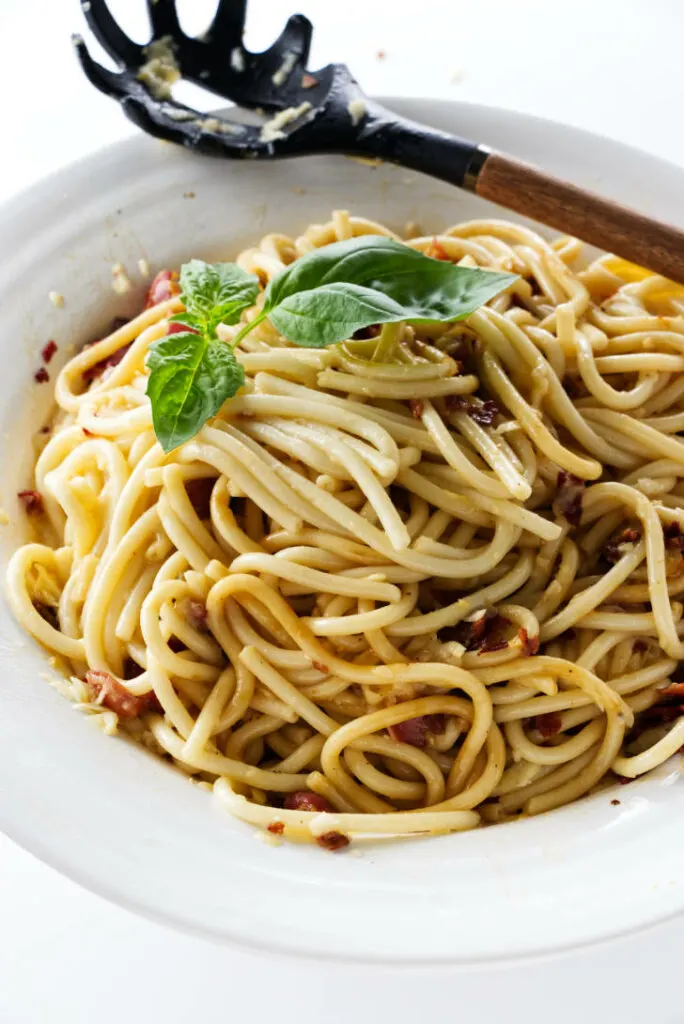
(613, 66)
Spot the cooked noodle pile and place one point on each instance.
(416, 594)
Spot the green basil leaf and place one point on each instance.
(188, 319)
(190, 379)
(332, 313)
(217, 292)
(419, 287)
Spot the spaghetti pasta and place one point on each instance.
(398, 586)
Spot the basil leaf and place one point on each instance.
(217, 292)
(332, 313)
(190, 379)
(421, 288)
(186, 318)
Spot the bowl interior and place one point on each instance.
(119, 821)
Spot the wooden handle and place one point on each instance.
(603, 223)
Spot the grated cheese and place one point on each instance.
(357, 110)
(272, 129)
(57, 299)
(161, 69)
(121, 282)
(280, 76)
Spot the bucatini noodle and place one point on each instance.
(383, 598)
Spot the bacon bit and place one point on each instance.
(32, 501)
(436, 251)
(320, 667)
(199, 493)
(417, 408)
(41, 376)
(164, 286)
(332, 841)
(49, 351)
(177, 328)
(548, 725)
(105, 365)
(615, 803)
(305, 800)
(276, 827)
(569, 496)
(674, 536)
(480, 633)
(673, 690)
(197, 615)
(482, 412)
(47, 612)
(108, 691)
(46, 429)
(529, 644)
(415, 731)
(613, 550)
(308, 81)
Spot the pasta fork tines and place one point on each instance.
(274, 82)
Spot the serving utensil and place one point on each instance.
(325, 111)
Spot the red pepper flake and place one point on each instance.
(416, 731)
(417, 408)
(32, 501)
(46, 429)
(308, 81)
(623, 780)
(108, 691)
(380, 55)
(199, 493)
(529, 644)
(276, 827)
(320, 667)
(481, 411)
(548, 725)
(88, 433)
(305, 800)
(49, 351)
(614, 549)
(41, 376)
(615, 803)
(332, 841)
(568, 501)
(436, 251)
(164, 286)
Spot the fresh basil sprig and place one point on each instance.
(322, 298)
(193, 372)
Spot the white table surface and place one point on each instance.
(613, 66)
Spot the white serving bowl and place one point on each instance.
(129, 827)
